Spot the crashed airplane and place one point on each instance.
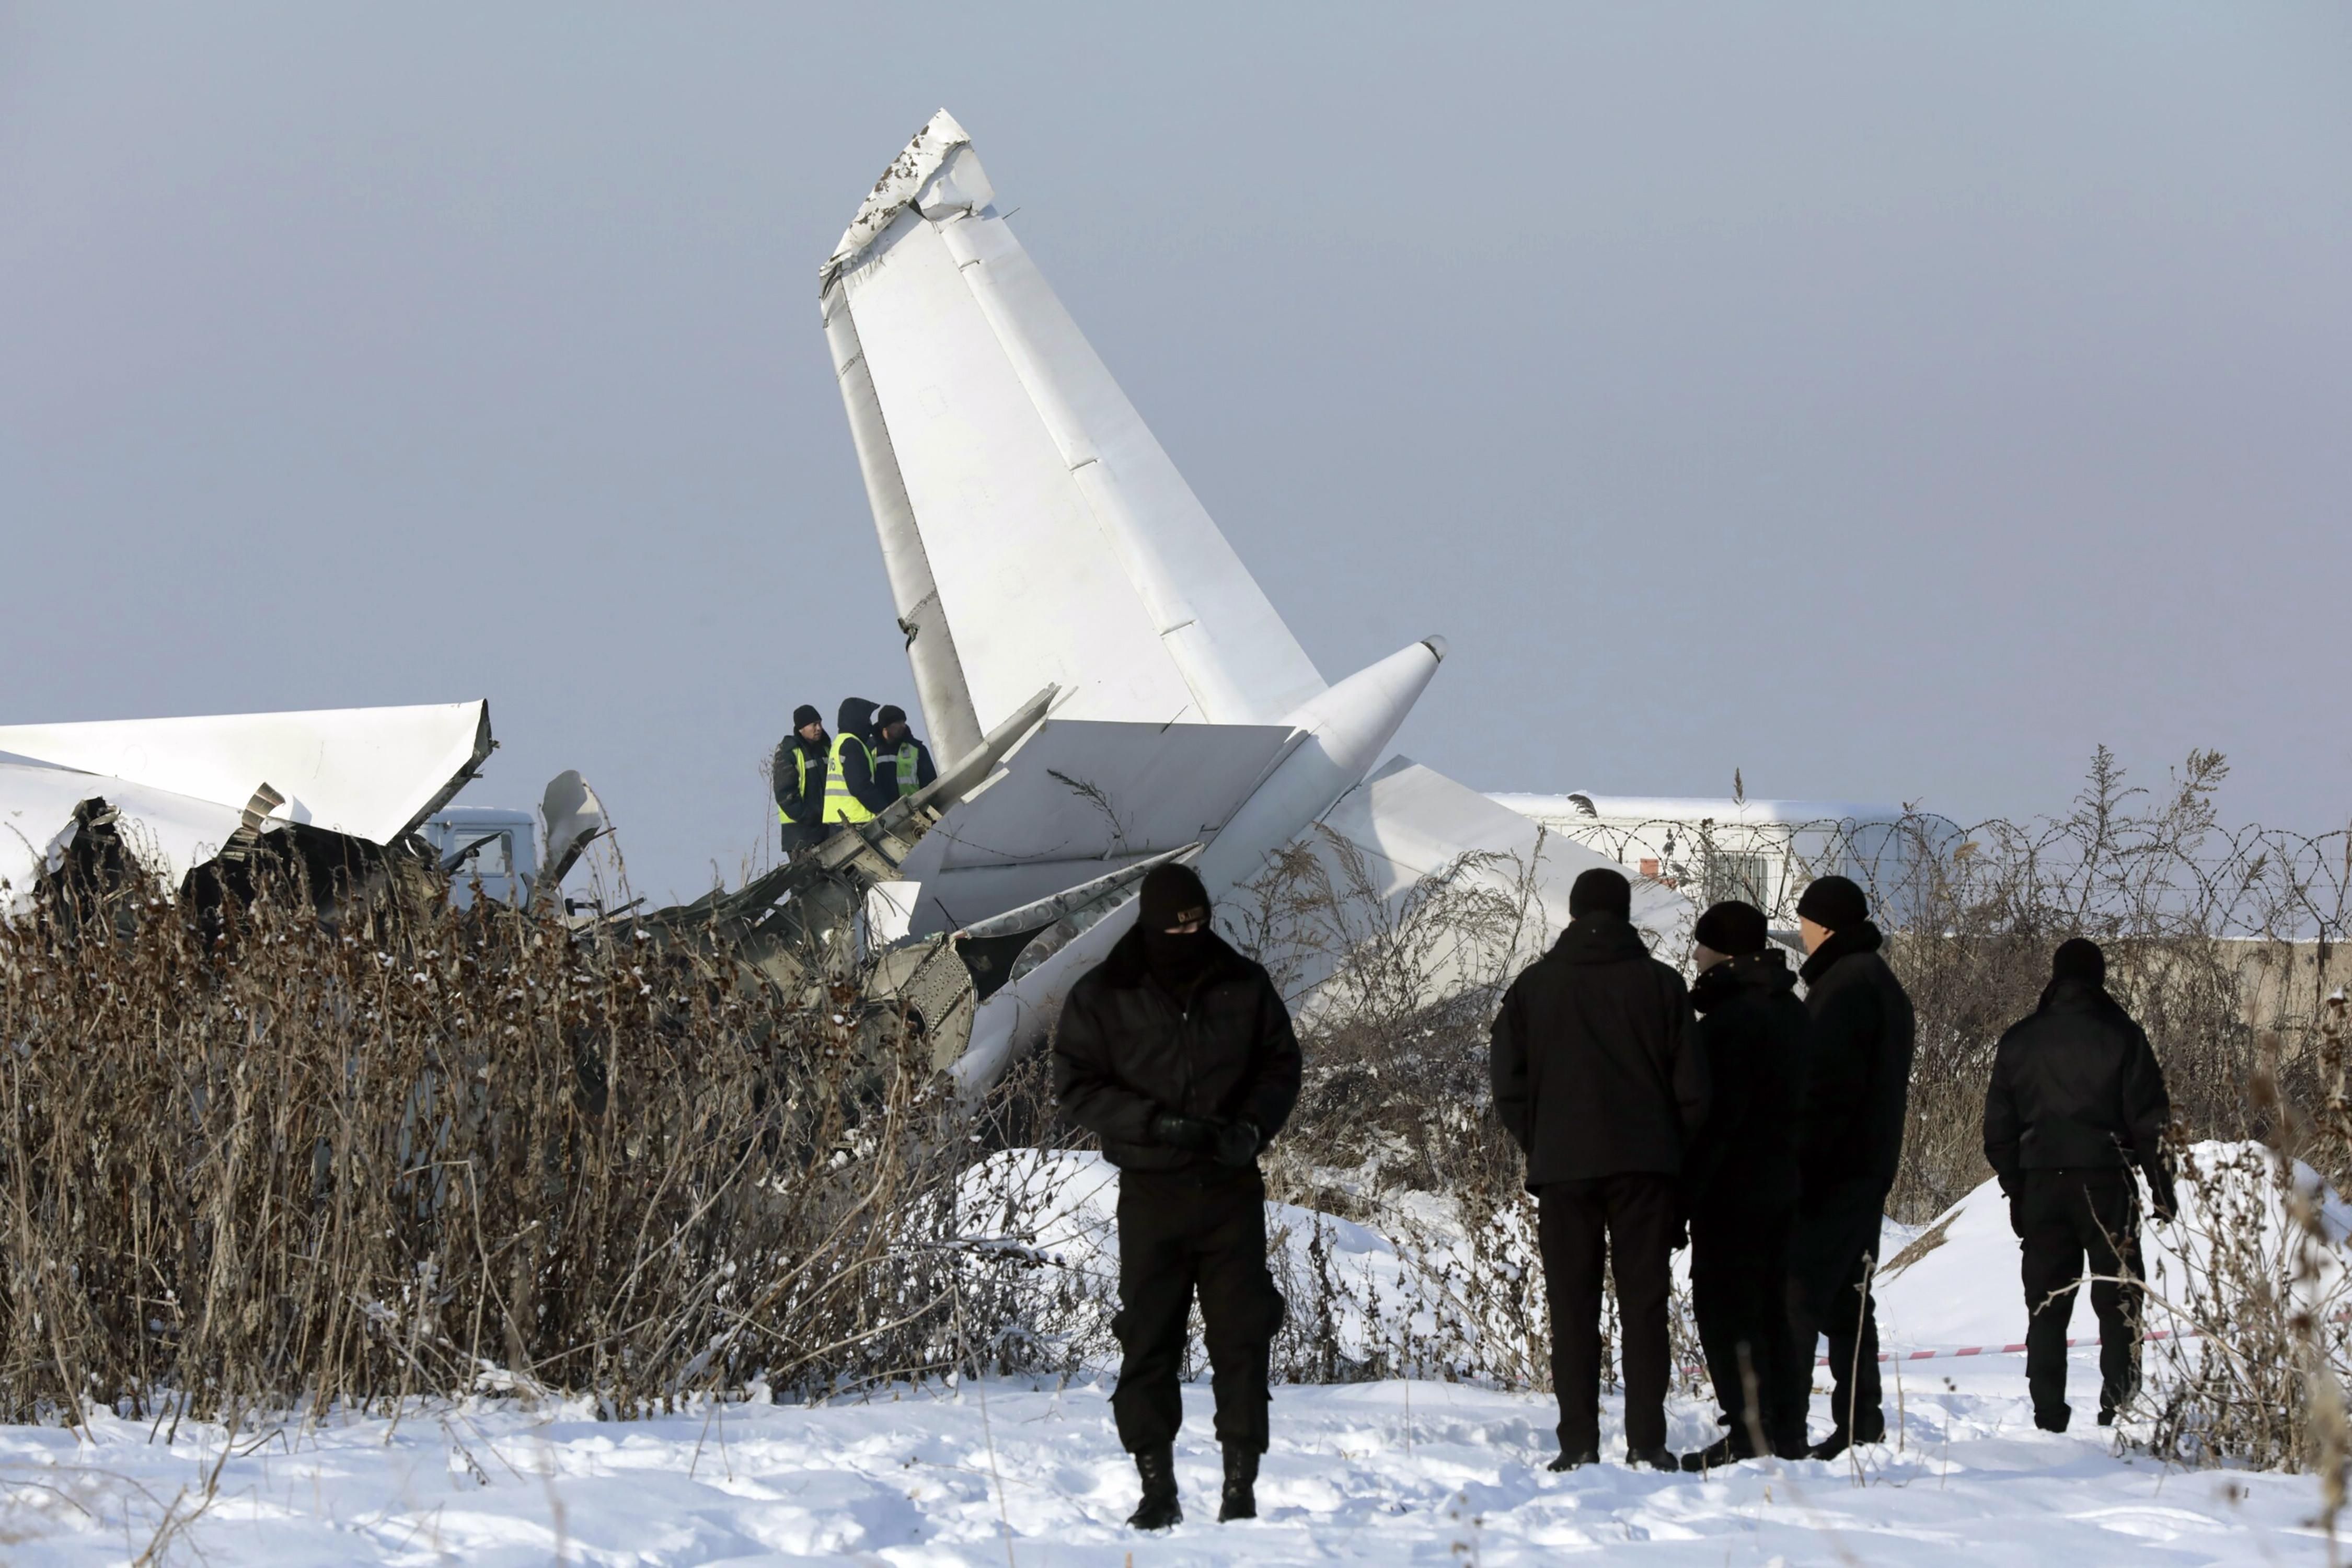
(1105, 685)
(1035, 535)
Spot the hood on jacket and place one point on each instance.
(856, 718)
(1844, 943)
(1598, 937)
(1766, 973)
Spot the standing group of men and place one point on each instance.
(1765, 1129)
(822, 780)
(1760, 1130)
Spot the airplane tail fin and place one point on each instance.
(1033, 528)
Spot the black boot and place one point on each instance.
(1576, 1461)
(1159, 1509)
(1240, 1501)
(1652, 1460)
(1869, 1426)
(1725, 1451)
(1829, 1447)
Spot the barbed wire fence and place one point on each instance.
(2215, 936)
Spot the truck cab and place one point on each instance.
(488, 852)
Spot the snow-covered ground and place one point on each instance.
(1029, 1470)
(1000, 1471)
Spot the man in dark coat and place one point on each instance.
(1597, 1080)
(797, 775)
(2076, 1102)
(1850, 1141)
(1177, 1052)
(902, 764)
(1739, 1180)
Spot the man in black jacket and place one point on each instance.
(1850, 1140)
(1739, 1180)
(797, 775)
(1177, 1052)
(902, 764)
(1597, 1080)
(2076, 1102)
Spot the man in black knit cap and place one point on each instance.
(2077, 1101)
(1597, 1080)
(1739, 1180)
(797, 775)
(902, 764)
(1850, 1140)
(1178, 1053)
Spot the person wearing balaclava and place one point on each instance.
(2077, 1100)
(798, 775)
(1739, 1180)
(1849, 1142)
(1178, 1053)
(1597, 1080)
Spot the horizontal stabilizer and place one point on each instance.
(1081, 798)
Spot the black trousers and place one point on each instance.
(1582, 1228)
(1831, 1249)
(800, 836)
(1740, 1272)
(2064, 1219)
(1177, 1234)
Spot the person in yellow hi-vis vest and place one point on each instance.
(852, 791)
(797, 774)
(901, 762)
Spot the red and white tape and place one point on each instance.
(2018, 1349)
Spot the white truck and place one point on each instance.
(499, 853)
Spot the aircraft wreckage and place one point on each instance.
(1106, 686)
(202, 805)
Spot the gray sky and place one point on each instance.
(1892, 401)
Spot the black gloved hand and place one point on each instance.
(1679, 1236)
(1192, 1135)
(2163, 1198)
(2016, 1214)
(1238, 1143)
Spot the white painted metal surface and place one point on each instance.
(1412, 824)
(1687, 808)
(373, 772)
(1021, 502)
(1345, 730)
(168, 834)
(1082, 797)
(1034, 531)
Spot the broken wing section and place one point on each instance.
(372, 772)
(1082, 798)
(1413, 860)
(168, 834)
(1033, 528)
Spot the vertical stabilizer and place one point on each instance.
(1033, 530)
